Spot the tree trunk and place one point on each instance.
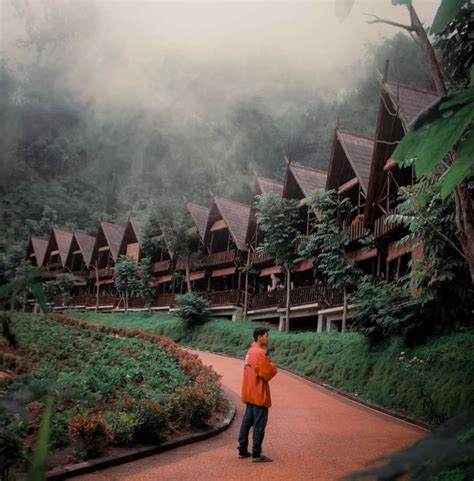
(246, 293)
(188, 275)
(12, 301)
(23, 307)
(344, 311)
(464, 207)
(125, 302)
(465, 224)
(287, 308)
(96, 289)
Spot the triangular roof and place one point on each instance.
(267, 185)
(85, 242)
(132, 228)
(200, 216)
(409, 100)
(236, 217)
(62, 238)
(358, 151)
(37, 246)
(113, 234)
(307, 178)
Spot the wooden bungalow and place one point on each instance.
(57, 251)
(104, 256)
(225, 242)
(77, 263)
(301, 181)
(130, 244)
(399, 104)
(348, 175)
(36, 251)
(254, 235)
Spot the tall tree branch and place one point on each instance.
(409, 28)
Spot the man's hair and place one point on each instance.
(259, 331)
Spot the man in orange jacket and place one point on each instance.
(258, 371)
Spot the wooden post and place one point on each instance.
(97, 287)
(344, 311)
(287, 309)
(246, 293)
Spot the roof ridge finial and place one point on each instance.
(286, 160)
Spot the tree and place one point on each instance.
(279, 220)
(64, 284)
(147, 291)
(328, 242)
(441, 137)
(126, 280)
(181, 238)
(440, 276)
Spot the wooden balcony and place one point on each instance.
(82, 275)
(356, 231)
(313, 294)
(234, 297)
(106, 272)
(217, 258)
(260, 257)
(267, 299)
(382, 228)
(161, 266)
(168, 299)
(136, 303)
(83, 301)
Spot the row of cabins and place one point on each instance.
(360, 168)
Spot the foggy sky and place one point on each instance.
(182, 57)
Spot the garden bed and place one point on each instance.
(113, 390)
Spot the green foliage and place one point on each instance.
(448, 10)
(64, 283)
(38, 468)
(441, 276)
(440, 456)
(147, 291)
(279, 220)
(378, 315)
(30, 281)
(90, 434)
(192, 308)
(11, 445)
(126, 277)
(385, 375)
(329, 240)
(455, 45)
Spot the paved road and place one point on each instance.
(312, 434)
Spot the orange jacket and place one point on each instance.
(258, 370)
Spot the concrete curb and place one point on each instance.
(134, 454)
(375, 407)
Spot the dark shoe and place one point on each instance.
(262, 459)
(245, 455)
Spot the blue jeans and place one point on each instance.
(255, 417)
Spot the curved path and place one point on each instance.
(312, 434)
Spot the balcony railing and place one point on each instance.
(80, 275)
(259, 257)
(167, 299)
(136, 303)
(161, 266)
(310, 294)
(266, 299)
(216, 258)
(106, 272)
(234, 297)
(356, 231)
(381, 227)
(83, 301)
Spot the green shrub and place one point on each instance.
(11, 445)
(192, 308)
(90, 433)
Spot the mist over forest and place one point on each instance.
(99, 122)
